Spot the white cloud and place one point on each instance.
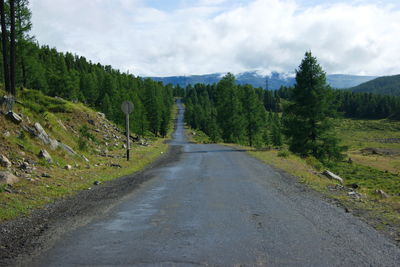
(219, 36)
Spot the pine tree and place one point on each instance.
(307, 120)
(229, 110)
(276, 130)
(254, 114)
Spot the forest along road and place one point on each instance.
(217, 206)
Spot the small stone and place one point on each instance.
(25, 166)
(101, 115)
(6, 134)
(8, 178)
(68, 167)
(354, 186)
(96, 182)
(115, 165)
(381, 193)
(67, 149)
(91, 122)
(14, 117)
(46, 175)
(85, 158)
(5, 162)
(350, 161)
(45, 155)
(354, 195)
(8, 190)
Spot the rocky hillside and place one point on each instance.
(50, 148)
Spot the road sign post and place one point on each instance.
(127, 108)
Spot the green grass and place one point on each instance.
(197, 136)
(29, 194)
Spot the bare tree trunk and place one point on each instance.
(4, 40)
(12, 48)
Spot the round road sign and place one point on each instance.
(127, 107)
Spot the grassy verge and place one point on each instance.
(82, 129)
(34, 193)
(197, 136)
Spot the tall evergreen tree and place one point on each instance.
(276, 130)
(229, 109)
(307, 120)
(4, 39)
(254, 114)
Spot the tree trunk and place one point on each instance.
(12, 48)
(4, 40)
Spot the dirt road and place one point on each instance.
(216, 206)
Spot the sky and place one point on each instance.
(186, 37)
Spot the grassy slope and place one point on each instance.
(63, 120)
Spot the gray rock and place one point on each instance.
(101, 115)
(46, 175)
(30, 130)
(355, 195)
(333, 176)
(44, 137)
(97, 182)
(115, 165)
(8, 178)
(14, 117)
(45, 155)
(5, 162)
(91, 122)
(25, 166)
(67, 148)
(6, 134)
(381, 193)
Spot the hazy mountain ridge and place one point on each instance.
(275, 79)
(386, 85)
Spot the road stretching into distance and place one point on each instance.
(217, 206)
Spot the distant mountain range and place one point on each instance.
(273, 81)
(386, 85)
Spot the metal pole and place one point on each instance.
(127, 137)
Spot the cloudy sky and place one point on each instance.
(183, 37)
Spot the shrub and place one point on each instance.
(283, 154)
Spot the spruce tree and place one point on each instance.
(229, 110)
(254, 113)
(307, 122)
(276, 130)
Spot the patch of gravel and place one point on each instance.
(27, 236)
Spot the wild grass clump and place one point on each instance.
(283, 154)
(37, 102)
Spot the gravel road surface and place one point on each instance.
(217, 206)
